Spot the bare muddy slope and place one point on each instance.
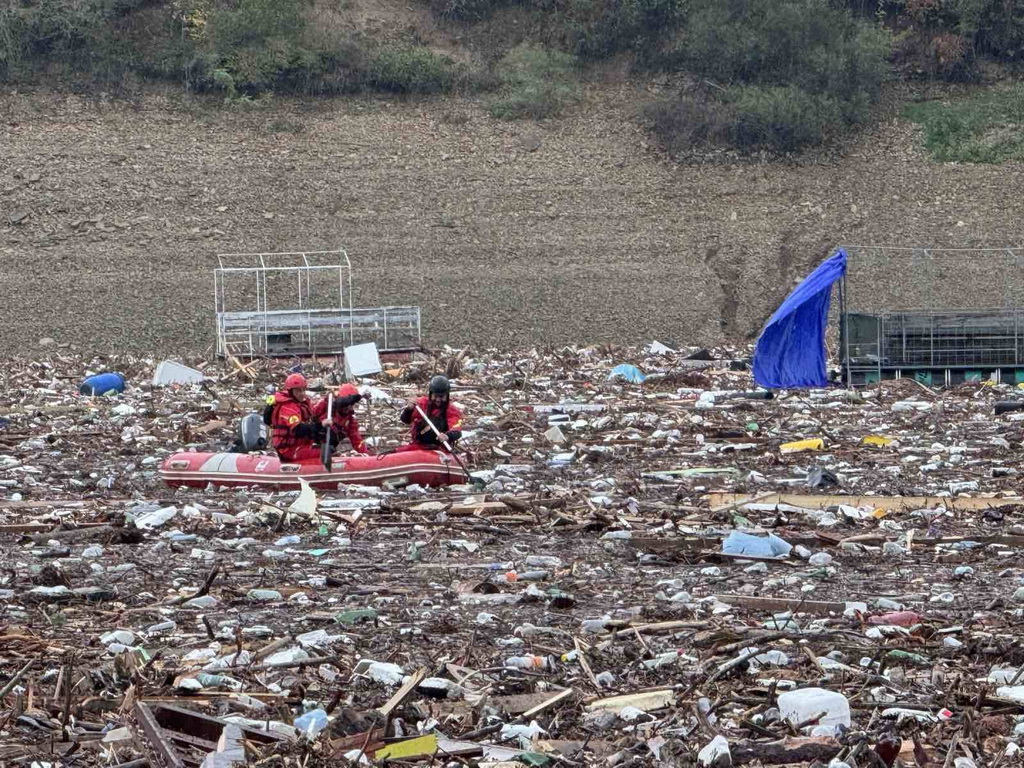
(111, 214)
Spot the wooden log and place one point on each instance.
(785, 752)
(823, 501)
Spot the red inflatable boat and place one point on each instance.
(197, 470)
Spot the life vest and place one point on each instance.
(284, 423)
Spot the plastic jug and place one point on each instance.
(802, 705)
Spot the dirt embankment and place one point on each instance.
(112, 213)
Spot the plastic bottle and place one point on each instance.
(802, 705)
(514, 576)
(155, 518)
(219, 681)
(264, 595)
(528, 662)
(312, 722)
(543, 561)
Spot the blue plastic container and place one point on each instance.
(102, 383)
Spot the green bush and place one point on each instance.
(788, 73)
(782, 118)
(536, 83)
(986, 128)
(243, 47)
(983, 27)
(994, 27)
(809, 43)
(467, 10)
(690, 122)
(597, 29)
(74, 35)
(255, 43)
(412, 69)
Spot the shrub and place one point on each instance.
(536, 83)
(13, 39)
(809, 43)
(412, 69)
(995, 27)
(985, 128)
(793, 72)
(782, 118)
(689, 122)
(596, 29)
(467, 10)
(76, 35)
(254, 43)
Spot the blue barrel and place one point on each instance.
(102, 383)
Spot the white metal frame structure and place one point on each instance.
(300, 303)
(937, 314)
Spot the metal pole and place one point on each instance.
(844, 330)
(217, 314)
(351, 313)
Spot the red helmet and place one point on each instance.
(294, 381)
(347, 394)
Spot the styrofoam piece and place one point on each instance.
(362, 360)
(170, 372)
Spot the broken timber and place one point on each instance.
(164, 725)
(816, 501)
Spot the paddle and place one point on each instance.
(326, 457)
(444, 441)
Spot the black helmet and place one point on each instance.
(439, 385)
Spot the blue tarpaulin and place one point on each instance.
(791, 349)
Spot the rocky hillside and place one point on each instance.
(566, 231)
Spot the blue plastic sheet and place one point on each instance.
(627, 372)
(740, 543)
(790, 352)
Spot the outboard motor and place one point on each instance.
(252, 434)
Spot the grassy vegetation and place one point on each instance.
(776, 75)
(411, 69)
(780, 76)
(536, 83)
(986, 128)
(244, 48)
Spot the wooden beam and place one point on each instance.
(552, 701)
(822, 501)
(773, 604)
(407, 687)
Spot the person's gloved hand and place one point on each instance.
(454, 435)
(307, 429)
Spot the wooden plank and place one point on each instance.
(1007, 539)
(372, 740)
(659, 626)
(483, 509)
(209, 427)
(772, 604)
(552, 701)
(822, 501)
(407, 687)
(39, 503)
(27, 528)
(165, 753)
(647, 701)
(739, 503)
